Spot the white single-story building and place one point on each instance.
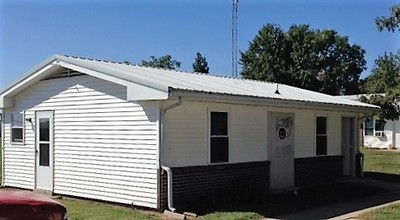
(378, 133)
(160, 138)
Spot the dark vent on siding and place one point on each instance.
(66, 73)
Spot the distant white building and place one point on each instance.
(378, 133)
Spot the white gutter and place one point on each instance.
(356, 107)
(161, 144)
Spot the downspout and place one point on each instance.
(2, 146)
(161, 144)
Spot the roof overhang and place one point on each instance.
(137, 90)
(273, 102)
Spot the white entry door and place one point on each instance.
(44, 150)
(281, 145)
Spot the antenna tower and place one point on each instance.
(234, 38)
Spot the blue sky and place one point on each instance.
(133, 30)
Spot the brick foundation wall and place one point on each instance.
(163, 190)
(313, 171)
(201, 186)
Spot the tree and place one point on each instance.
(390, 23)
(200, 64)
(384, 74)
(164, 62)
(318, 60)
(383, 86)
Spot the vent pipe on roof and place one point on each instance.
(277, 89)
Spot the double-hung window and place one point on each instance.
(369, 127)
(17, 128)
(374, 127)
(219, 139)
(321, 136)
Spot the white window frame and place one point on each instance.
(374, 130)
(22, 115)
(211, 136)
(365, 126)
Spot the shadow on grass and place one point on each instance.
(284, 205)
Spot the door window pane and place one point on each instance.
(44, 155)
(44, 129)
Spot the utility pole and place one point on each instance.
(234, 38)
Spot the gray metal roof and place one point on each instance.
(163, 80)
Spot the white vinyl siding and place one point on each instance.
(305, 134)
(248, 134)
(19, 159)
(104, 146)
(186, 140)
(334, 133)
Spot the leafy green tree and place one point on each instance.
(318, 60)
(164, 62)
(383, 86)
(384, 75)
(390, 23)
(200, 64)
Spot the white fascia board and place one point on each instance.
(260, 101)
(6, 99)
(137, 92)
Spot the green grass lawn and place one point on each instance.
(382, 161)
(389, 213)
(232, 216)
(383, 165)
(90, 210)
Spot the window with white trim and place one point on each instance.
(321, 136)
(17, 128)
(373, 127)
(369, 127)
(219, 139)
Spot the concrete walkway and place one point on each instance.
(354, 208)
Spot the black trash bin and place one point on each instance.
(359, 164)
